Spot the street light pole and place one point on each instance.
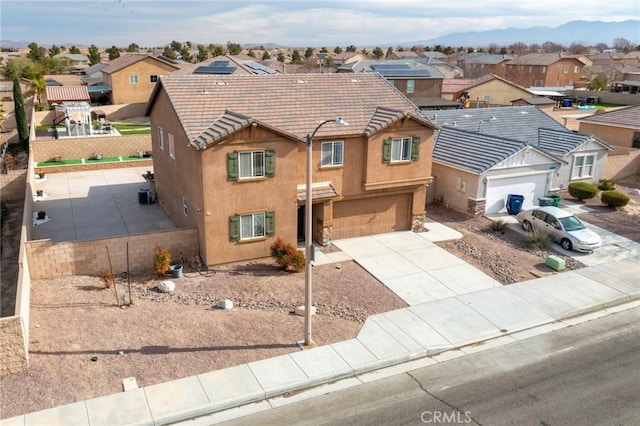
(308, 233)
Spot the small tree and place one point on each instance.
(21, 116)
(337, 50)
(161, 260)
(377, 52)
(281, 57)
(113, 53)
(185, 53)
(308, 53)
(94, 54)
(168, 52)
(133, 48)
(295, 57)
(266, 55)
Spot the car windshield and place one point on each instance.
(571, 223)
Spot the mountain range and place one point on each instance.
(588, 33)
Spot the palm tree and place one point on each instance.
(37, 86)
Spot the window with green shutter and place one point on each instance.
(270, 223)
(234, 228)
(252, 225)
(415, 147)
(270, 163)
(400, 150)
(386, 151)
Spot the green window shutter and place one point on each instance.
(270, 223)
(234, 228)
(232, 161)
(415, 146)
(386, 151)
(270, 163)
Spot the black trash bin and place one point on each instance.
(514, 203)
(144, 196)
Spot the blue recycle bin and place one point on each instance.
(514, 203)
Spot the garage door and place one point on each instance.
(371, 216)
(531, 186)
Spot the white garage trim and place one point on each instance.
(531, 185)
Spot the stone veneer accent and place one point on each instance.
(476, 207)
(327, 234)
(417, 222)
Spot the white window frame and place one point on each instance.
(580, 166)
(401, 149)
(566, 69)
(332, 154)
(254, 170)
(411, 86)
(576, 69)
(160, 138)
(252, 221)
(185, 206)
(530, 69)
(133, 78)
(172, 151)
(543, 69)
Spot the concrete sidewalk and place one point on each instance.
(423, 331)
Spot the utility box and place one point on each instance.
(554, 262)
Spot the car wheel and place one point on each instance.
(566, 244)
(526, 225)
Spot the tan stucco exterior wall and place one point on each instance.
(124, 92)
(447, 190)
(614, 135)
(499, 92)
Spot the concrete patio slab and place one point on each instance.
(171, 401)
(432, 258)
(389, 265)
(361, 247)
(439, 232)
(227, 387)
(418, 288)
(402, 241)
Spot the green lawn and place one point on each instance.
(133, 129)
(90, 161)
(606, 105)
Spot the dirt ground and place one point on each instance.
(161, 337)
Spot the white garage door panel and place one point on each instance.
(531, 186)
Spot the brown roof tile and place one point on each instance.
(319, 190)
(211, 106)
(623, 117)
(129, 59)
(66, 93)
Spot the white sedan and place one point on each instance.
(563, 227)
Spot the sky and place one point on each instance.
(289, 23)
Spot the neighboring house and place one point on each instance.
(483, 155)
(344, 58)
(632, 58)
(78, 62)
(488, 90)
(419, 82)
(227, 65)
(620, 127)
(546, 69)
(477, 65)
(93, 74)
(229, 158)
(133, 76)
(606, 58)
(542, 102)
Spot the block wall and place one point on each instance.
(77, 148)
(48, 260)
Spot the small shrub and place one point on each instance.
(287, 257)
(498, 225)
(107, 277)
(582, 190)
(161, 261)
(614, 199)
(606, 185)
(537, 239)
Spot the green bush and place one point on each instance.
(582, 190)
(614, 199)
(537, 239)
(287, 257)
(606, 185)
(498, 225)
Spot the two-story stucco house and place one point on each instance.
(133, 76)
(230, 158)
(546, 69)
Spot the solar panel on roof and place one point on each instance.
(219, 64)
(258, 68)
(404, 73)
(214, 70)
(390, 67)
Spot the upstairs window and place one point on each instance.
(332, 153)
(133, 79)
(153, 78)
(400, 149)
(411, 84)
(172, 152)
(543, 69)
(566, 69)
(576, 69)
(251, 164)
(160, 141)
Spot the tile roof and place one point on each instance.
(514, 122)
(472, 151)
(623, 117)
(211, 106)
(66, 93)
(453, 85)
(490, 77)
(542, 59)
(319, 190)
(540, 100)
(129, 59)
(486, 58)
(395, 68)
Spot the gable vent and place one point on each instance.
(354, 80)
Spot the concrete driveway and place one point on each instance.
(413, 267)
